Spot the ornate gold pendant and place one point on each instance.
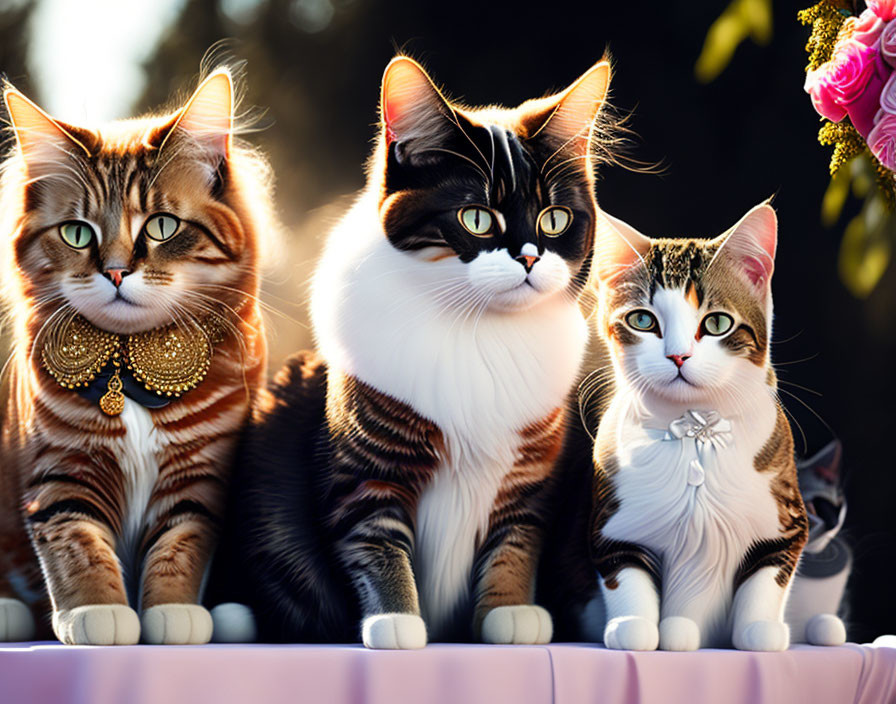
(112, 402)
(169, 361)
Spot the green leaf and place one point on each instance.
(835, 197)
(741, 19)
(866, 247)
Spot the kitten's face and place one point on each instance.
(689, 321)
(495, 207)
(130, 226)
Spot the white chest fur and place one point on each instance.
(138, 460)
(706, 505)
(480, 376)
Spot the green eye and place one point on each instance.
(717, 323)
(77, 234)
(553, 221)
(161, 227)
(476, 220)
(641, 320)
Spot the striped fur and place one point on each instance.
(684, 560)
(123, 511)
(449, 359)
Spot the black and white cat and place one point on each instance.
(395, 489)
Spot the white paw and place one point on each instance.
(16, 621)
(679, 633)
(825, 629)
(177, 624)
(233, 623)
(631, 633)
(763, 635)
(518, 625)
(393, 632)
(97, 624)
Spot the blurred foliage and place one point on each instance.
(14, 18)
(742, 19)
(868, 237)
(867, 243)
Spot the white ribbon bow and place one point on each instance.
(705, 427)
(700, 425)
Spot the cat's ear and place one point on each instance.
(41, 139)
(411, 106)
(570, 115)
(826, 463)
(749, 247)
(207, 117)
(617, 247)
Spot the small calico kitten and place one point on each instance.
(127, 228)
(698, 522)
(395, 490)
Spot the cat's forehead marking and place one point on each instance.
(691, 295)
(502, 147)
(511, 167)
(679, 264)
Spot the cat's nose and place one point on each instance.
(116, 275)
(679, 359)
(528, 256)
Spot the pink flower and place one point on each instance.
(840, 81)
(882, 141)
(866, 28)
(888, 43)
(888, 96)
(885, 9)
(822, 97)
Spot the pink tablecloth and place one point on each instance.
(467, 674)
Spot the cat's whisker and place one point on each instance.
(810, 409)
(565, 162)
(800, 386)
(460, 156)
(456, 121)
(797, 361)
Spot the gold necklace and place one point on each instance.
(170, 360)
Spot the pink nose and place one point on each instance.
(527, 261)
(116, 275)
(679, 359)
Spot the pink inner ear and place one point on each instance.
(390, 133)
(756, 271)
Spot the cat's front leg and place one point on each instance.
(633, 610)
(70, 524)
(629, 579)
(377, 556)
(758, 611)
(179, 550)
(764, 579)
(628, 574)
(504, 589)
(383, 453)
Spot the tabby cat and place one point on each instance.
(131, 259)
(698, 522)
(395, 487)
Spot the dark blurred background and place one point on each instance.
(726, 144)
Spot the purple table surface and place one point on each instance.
(49, 673)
